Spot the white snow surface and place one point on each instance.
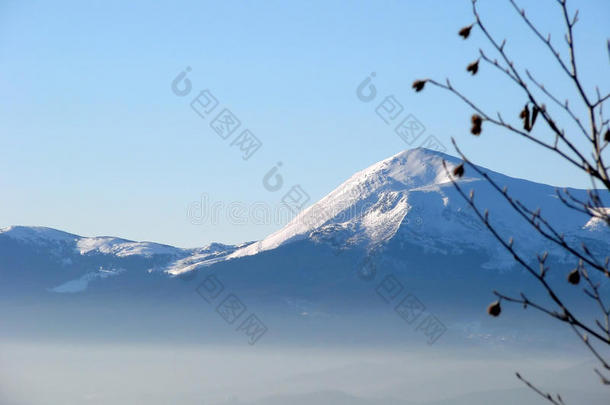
(80, 284)
(122, 248)
(208, 255)
(37, 234)
(598, 225)
(85, 245)
(374, 200)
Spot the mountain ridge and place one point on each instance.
(407, 197)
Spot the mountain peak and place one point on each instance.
(34, 233)
(413, 168)
(410, 196)
(421, 152)
(372, 203)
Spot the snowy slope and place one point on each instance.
(85, 245)
(373, 202)
(410, 196)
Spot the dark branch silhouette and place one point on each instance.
(592, 331)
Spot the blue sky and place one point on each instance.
(94, 141)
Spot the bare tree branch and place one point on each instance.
(595, 330)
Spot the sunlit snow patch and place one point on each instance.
(81, 284)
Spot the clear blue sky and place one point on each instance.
(93, 141)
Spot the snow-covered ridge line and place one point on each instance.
(407, 198)
(59, 243)
(385, 200)
(85, 245)
(33, 233)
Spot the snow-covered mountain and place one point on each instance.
(400, 218)
(83, 245)
(407, 197)
(89, 259)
